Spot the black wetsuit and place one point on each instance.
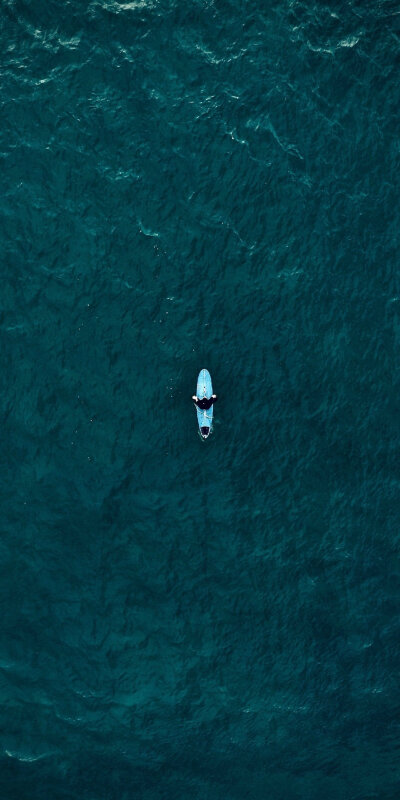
(204, 403)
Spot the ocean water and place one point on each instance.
(186, 185)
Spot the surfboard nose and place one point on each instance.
(204, 432)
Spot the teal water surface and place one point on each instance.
(188, 185)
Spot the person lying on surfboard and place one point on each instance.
(203, 402)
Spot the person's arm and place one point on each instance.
(214, 397)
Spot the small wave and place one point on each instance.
(147, 231)
(26, 758)
(349, 41)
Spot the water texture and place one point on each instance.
(187, 185)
